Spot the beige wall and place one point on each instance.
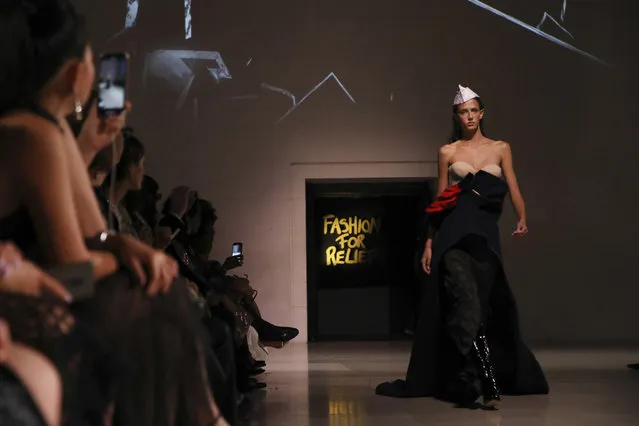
(259, 193)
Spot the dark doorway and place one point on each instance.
(363, 249)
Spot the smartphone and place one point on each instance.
(77, 278)
(112, 83)
(237, 249)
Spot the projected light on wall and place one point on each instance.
(172, 67)
(133, 8)
(187, 19)
(280, 91)
(292, 97)
(546, 17)
(131, 13)
(313, 90)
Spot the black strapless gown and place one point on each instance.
(434, 359)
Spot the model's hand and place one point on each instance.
(426, 258)
(142, 259)
(21, 276)
(521, 229)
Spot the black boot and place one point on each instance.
(486, 370)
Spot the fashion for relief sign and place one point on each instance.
(348, 244)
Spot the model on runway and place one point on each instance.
(467, 346)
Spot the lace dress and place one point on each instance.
(48, 326)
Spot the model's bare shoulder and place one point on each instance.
(446, 152)
(448, 149)
(502, 149)
(501, 146)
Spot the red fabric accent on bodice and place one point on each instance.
(446, 200)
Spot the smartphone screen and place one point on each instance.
(112, 81)
(237, 249)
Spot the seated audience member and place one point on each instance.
(218, 348)
(229, 297)
(198, 239)
(49, 210)
(237, 289)
(217, 308)
(142, 208)
(46, 325)
(129, 173)
(30, 383)
(100, 168)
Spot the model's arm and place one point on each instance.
(513, 187)
(443, 159)
(511, 179)
(430, 235)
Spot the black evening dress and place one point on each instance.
(467, 293)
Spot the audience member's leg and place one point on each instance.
(221, 365)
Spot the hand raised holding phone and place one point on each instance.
(236, 259)
(99, 132)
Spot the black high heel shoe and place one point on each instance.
(274, 335)
(490, 389)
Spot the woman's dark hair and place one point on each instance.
(144, 201)
(192, 211)
(456, 133)
(132, 154)
(201, 239)
(38, 37)
(103, 160)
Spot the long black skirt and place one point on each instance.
(468, 292)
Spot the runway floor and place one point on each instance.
(332, 384)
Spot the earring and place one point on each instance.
(78, 110)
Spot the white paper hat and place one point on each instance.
(464, 94)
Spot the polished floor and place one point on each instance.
(332, 384)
